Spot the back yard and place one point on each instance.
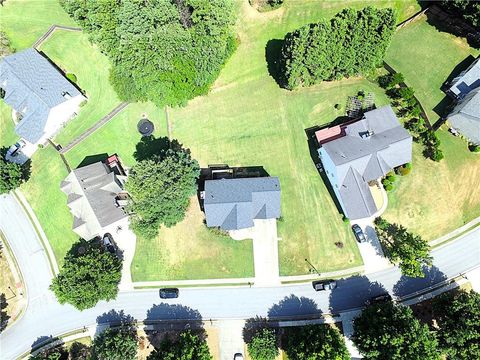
(435, 198)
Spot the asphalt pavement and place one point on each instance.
(46, 317)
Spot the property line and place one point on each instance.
(94, 128)
(169, 125)
(50, 31)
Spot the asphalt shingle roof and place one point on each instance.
(466, 116)
(30, 81)
(467, 81)
(233, 204)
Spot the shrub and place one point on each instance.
(71, 77)
(339, 244)
(391, 178)
(336, 49)
(346, 220)
(263, 345)
(389, 187)
(474, 148)
(83, 103)
(385, 182)
(405, 170)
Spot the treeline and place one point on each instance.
(163, 51)
(467, 9)
(353, 42)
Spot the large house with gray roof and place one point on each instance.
(41, 97)
(466, 81)
(233, 204)
(360, 152)
(96, 198)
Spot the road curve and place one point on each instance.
(45, 316)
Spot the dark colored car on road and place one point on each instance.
(359, 235)
(169, 293)
(379, 299)
(321, 285)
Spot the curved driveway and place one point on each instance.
(45, 316)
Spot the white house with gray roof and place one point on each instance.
(466, 81)
(465, 117)
(96, 198)
(233, 204)
(358, 152)
(40, 95)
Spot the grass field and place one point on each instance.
(73, 53)
(49, 203)
(7, 127)
(426, 57)
(25, 21)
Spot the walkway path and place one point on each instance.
(231, 338)
(50, 31)
(95, 127)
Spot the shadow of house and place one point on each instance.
(223, 171)
(353, 293)
(409, 285)
(294, 307)
(92, 159)
(273, 51)
(170, 320)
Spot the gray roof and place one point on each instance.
(31, 82)
(233, 204)
(371, 148)
(467, 80)
(466, 116)
(91, 191)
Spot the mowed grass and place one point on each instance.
(120, 134)
(48, 202)
(436, 198)
(426, 57)
(7, 127)
(73, 53)
(190, 250)
(24, 21)
(247, 120)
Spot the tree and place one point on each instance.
(164, 51)
(3, 312)
(160, 188)
(89, 274)
(389, 331)
(315, 342)
(55, 353)
(469, 10)
(263, 345)
(409, 251)
(187, 346)
(79, 351)
(457, 314)
(116, 344)
(12, 175)
(353, 42)
(5, 46)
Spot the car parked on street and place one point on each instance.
(358, 232)
(169, 293)
(321, 285)
(379, 299)
(15, 148)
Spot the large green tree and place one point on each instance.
(160, 188)
(457, 315)
(89, 274)
(353, 42)
(12, 175)
(187, 346)
(116, 344)
(162, 50)
(263, 345)
(314, 342)
(389, 331)
(409, 251)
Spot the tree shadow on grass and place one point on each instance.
(273, 51)
(293, 306)
(169, 320)
(353, 293)
(408, 285)
(149, 146)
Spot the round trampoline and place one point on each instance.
(145, 127)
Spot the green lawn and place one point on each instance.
(426, 57)
(49, 203)
(25, 21)
(72, 52)
(7, 127)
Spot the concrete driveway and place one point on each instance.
(231, 338)
(372, 254)
(265, 250)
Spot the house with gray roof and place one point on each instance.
(465, 117)
(233, 204)
(96, 198)
(42, 98)
(466, 81)
(359, 152)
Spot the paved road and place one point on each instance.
(45, 317)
